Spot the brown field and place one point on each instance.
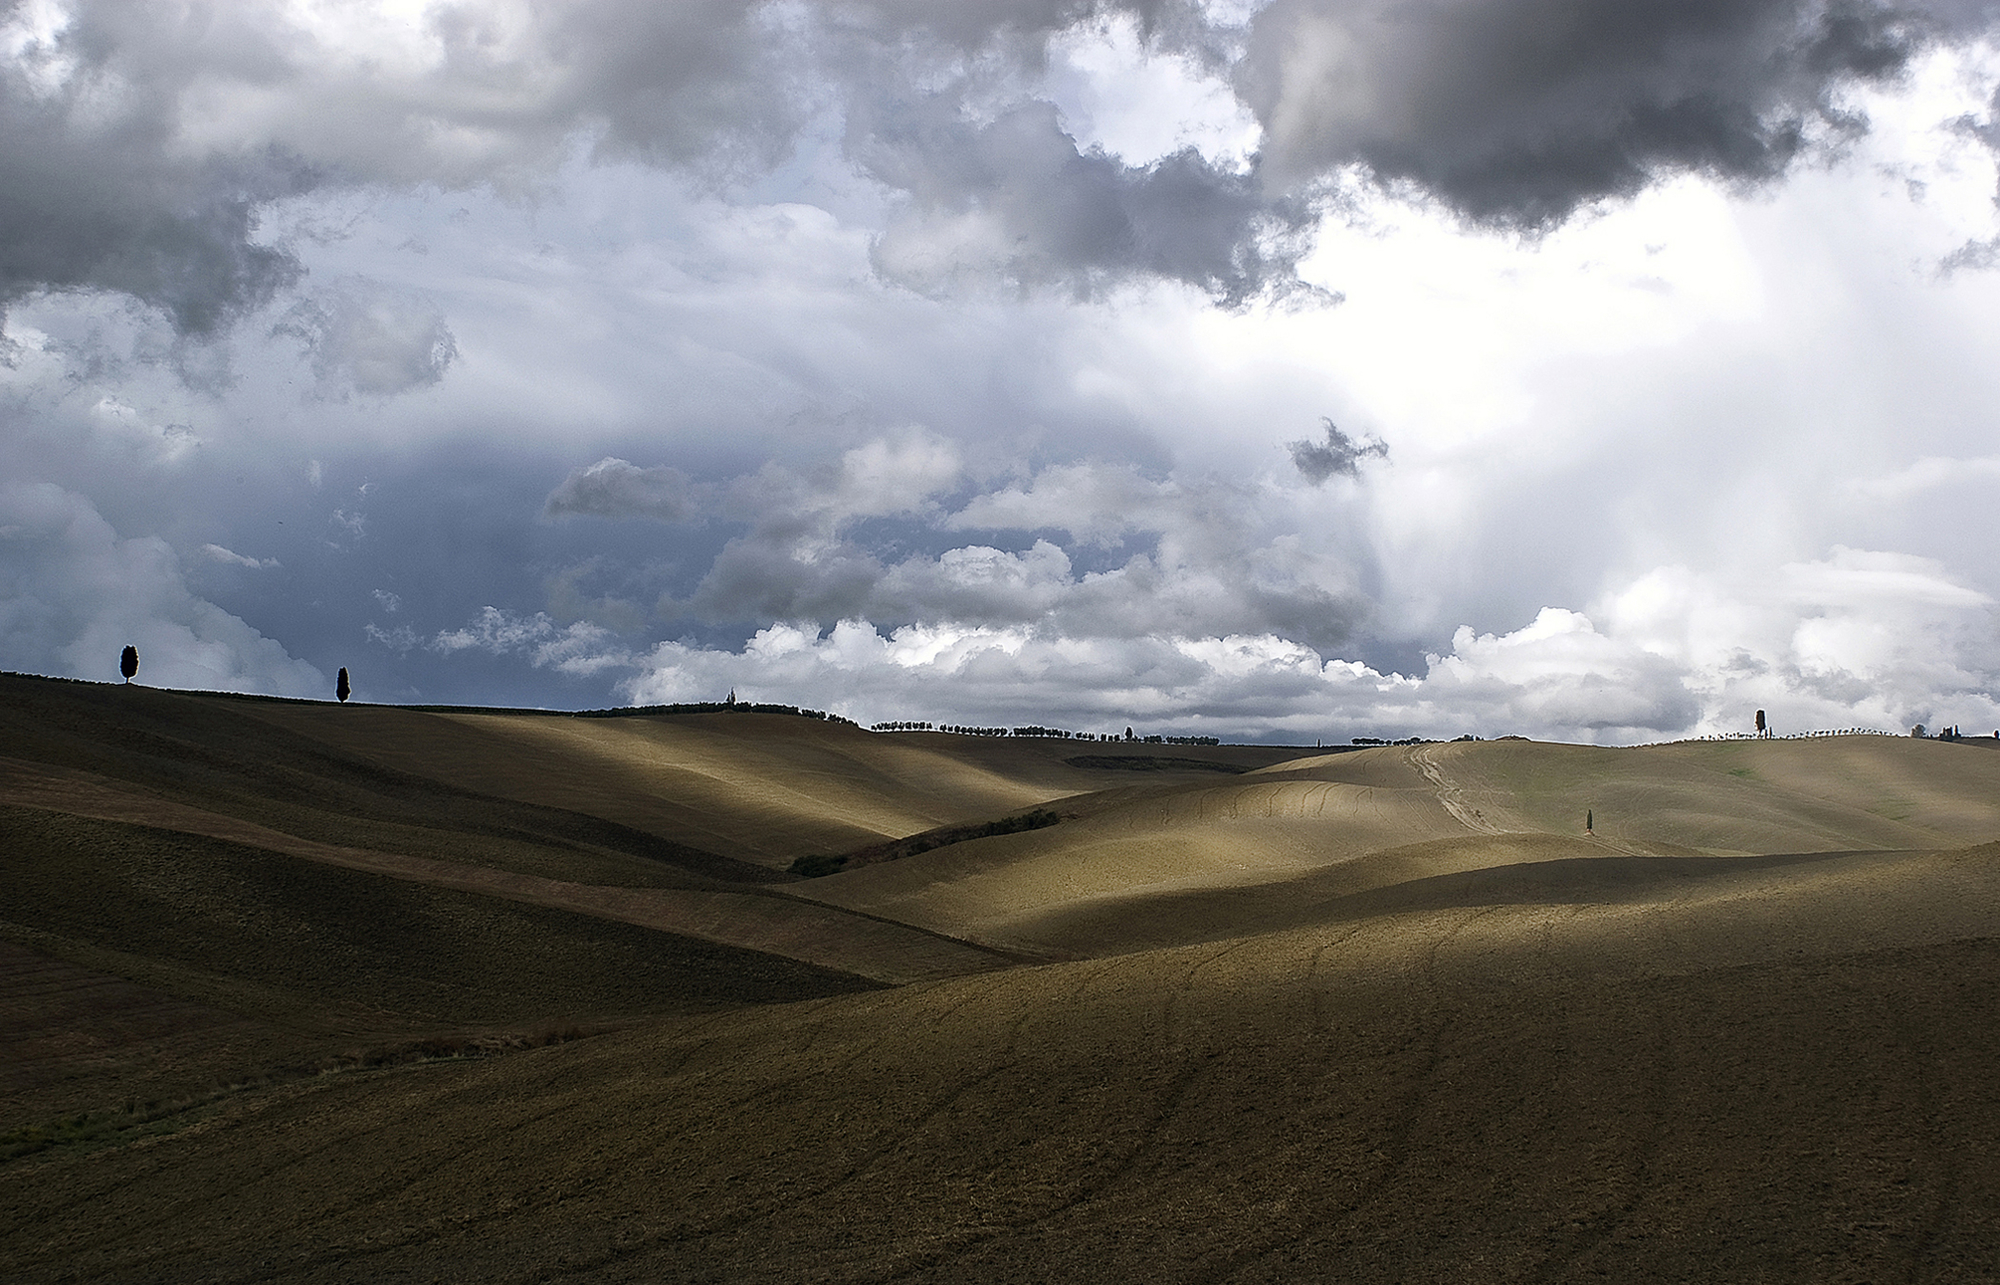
(304, 992)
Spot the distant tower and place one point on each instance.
(1761, 729)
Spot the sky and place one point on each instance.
(1289, 371)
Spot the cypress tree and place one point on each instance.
(128, 664)
(340, 687)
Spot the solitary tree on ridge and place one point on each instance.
(128, 664)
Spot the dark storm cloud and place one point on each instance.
(677, 83)
(996, 187)
(1016, 197)
(140, 142)
(91, 198)
(1517, 112)
(94, 192)
(1340, 455)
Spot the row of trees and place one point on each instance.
(1055, 733)
(1945, 733)
(731, 706)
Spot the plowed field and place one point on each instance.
(283, 1004)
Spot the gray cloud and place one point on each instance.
(615, 488)
(1973, 256)
(709, 82)
(365, 338)
(1205, 557)
(1560, 675)
(111, 216)
(1517, 112)
(1340, 455)
(97, 194)
(73, 594)
(1015, 198)
(143, 141)
(760, 579)
(635, 316)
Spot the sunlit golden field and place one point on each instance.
(307, 992)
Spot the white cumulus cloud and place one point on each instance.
(74, 594)
(578, 649)
(229, 557)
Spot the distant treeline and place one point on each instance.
(716, 707)
(1785, 736)
(1060, 734)
(1055, 733)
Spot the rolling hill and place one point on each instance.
(303, 992)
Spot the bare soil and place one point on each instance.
(279, 1003)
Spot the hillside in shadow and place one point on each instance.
(295, 991)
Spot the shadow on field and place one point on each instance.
(293, 992)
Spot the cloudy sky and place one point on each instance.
(1584, 369)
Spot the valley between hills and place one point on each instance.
(293, 991)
